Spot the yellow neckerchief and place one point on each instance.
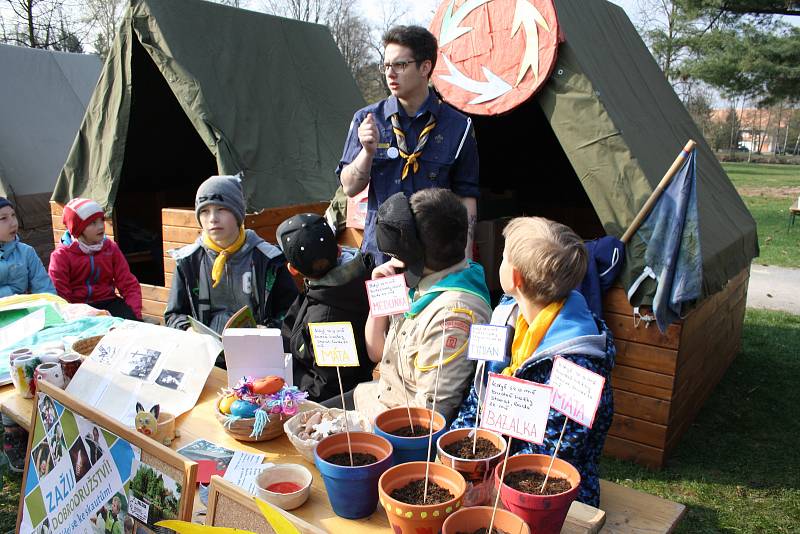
(411, 158)
(222, 254)
(527, 339)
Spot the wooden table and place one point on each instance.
(626, 510)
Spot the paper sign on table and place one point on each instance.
(334, 344)
(245, 476)
(576, 391)
(488, 342)
(516, 407)
(388, 295)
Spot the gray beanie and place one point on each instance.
(225, 191)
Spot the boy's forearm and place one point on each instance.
(356, 175)
(375, 336)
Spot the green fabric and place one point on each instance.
(266, 95)
(471, 280)
(622, 125)
(51, 315)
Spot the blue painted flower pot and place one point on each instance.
(409, 449)
(353, 491)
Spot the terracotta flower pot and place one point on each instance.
(477, 473)
(353, 491)
(413, 518)
(471, 519)
(409, 449)
(545, 514)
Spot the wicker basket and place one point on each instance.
(306, 447)
(242, 428)
(85, 346)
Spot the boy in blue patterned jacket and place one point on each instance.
(543, 261)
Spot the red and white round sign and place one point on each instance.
(493, 54)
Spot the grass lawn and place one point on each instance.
(768, 191)
(737, 469)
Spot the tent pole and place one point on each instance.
(642, 215)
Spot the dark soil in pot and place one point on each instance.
(528, 481)
(359, 458)
(413, 492)
(406, 432)
(463, 449)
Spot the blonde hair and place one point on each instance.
(550, 257)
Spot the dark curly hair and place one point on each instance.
(419, 40)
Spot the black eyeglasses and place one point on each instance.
(397, 66)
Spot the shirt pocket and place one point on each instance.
(436, 163)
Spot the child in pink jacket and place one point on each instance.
(88, 268)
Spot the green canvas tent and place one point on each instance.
(43, 97)
(191, 89)
(591, 146)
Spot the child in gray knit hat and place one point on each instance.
(228, 267)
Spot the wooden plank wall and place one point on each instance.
(661, 381)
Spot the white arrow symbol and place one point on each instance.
(527, 15)
(450, 30)
(492, 88)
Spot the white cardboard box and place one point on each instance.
(255, 352)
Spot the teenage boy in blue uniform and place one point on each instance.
(411, 140)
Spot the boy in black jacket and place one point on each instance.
(334, 292)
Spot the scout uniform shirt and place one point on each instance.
(419, 341)
(448, 160)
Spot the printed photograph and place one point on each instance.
(93, 445)
(47, 410)
(80, 459)
(160, 492)
(42, 459)
(43, 528)
(104, 354)
(58, 445)
(113, 516)
(169, 379)
(141, 363)
(205, 450)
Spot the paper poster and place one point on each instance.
(516, 407)
(576, 391)
(334, 344)
(388, 295)
(144, 363)
(78, 474)
(488, 342)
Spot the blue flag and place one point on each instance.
(672, 235)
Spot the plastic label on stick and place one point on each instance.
(388, 295)
(516, 407)
(488, 342)
(576, 391)
(334, 344)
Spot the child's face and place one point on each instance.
(8, 224)
(507, 276)
(220, 224)
(94, 233)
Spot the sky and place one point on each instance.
(421, 11)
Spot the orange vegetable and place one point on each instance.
(268, 385)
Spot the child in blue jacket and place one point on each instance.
(543, 262)
(21, 270)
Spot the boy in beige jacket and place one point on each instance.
(426, 235)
